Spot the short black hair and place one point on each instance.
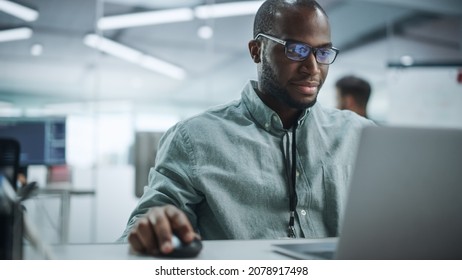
(264, 18)
(357, 87)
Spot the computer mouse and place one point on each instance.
(183, 250)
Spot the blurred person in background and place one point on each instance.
(353, 94)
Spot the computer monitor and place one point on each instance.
(42, 141)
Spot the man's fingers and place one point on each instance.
(142, 238)
(153, 232)
(180, 224)
(163, 231)
(135, 243)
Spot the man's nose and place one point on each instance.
(310, 65)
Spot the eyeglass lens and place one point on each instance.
(298, 51)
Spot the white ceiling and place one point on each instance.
(370, 33)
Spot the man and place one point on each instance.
(270, 165)
(353, 94)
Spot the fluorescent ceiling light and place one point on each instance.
(7, 109)
(10, 112)
(163, 67)
(227, 9)
(79, 107)
(18, 11)
(131, 55)
(113, 48)
(179, 15)
(145, 18)
(15, 34)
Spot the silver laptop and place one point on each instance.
(405, 199)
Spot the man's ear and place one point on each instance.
(254, 49)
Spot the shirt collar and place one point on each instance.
(264, 115)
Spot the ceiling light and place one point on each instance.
(145, 18)
(227, 9)
(36, 50)
(7, 109)
(18, 10)
(406, 60)
(79, 107)
(179, 15)
(163, 67)
(205, 32)
(15, 34)
(157, 4)
(131, 55)
(113, 48)
(10, 112)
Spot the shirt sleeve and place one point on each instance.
(171, 180)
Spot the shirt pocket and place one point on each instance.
(336, 180)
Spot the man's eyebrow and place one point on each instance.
(325, 45)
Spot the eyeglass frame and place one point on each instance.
(312, 49)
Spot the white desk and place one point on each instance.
(64, 192)
(212, 250)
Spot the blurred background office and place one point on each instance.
(104, 79)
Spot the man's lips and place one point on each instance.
(307, 87)
(306, 83)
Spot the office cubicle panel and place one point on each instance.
(145, 151)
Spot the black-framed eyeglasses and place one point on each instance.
(298, 51)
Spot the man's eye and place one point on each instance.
(324, 52)
(301, 49)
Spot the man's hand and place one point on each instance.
(152, 233)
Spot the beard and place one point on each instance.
(270, 86)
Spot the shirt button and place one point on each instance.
(303, 212)
(297, 173)
(267, 125)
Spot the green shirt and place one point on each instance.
(229, 168)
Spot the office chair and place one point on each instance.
(9, 160)
(10, 210)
